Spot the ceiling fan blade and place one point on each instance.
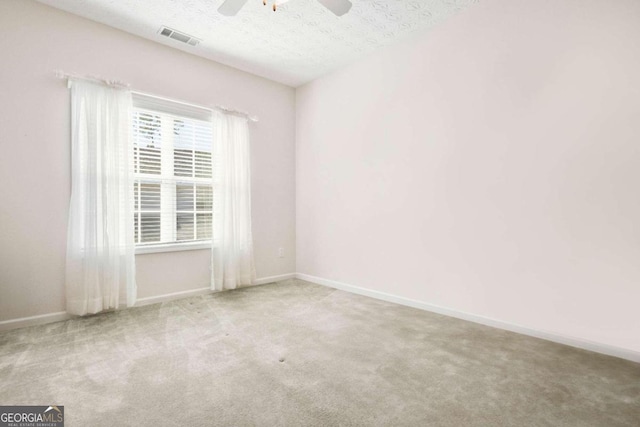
(231, 7)
(339, 7)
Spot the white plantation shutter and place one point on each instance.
(173, 172)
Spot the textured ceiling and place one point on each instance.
(296, 44)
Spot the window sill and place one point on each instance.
(173, 247)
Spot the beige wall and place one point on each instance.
(491, 166)
(35, 155)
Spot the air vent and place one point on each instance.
(179, 36)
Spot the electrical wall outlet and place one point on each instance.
(281, 253)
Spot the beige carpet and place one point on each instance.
(296, 354)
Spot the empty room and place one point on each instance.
(320, 213)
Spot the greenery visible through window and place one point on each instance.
(173, 185)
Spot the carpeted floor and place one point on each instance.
(296, 354)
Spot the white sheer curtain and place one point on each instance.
(232, 251)
(100, 243)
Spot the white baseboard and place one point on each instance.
(42, 319)
(172, 296)
(549, 336)
(271, 279)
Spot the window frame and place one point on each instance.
(173, 247)
(168, 182)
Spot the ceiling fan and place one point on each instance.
(232, 7)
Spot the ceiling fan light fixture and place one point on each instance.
(232, 7)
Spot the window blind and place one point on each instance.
(173, 171)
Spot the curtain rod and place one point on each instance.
(116, 83)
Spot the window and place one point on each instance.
(173, 173)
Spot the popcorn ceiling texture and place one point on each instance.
(296, 44)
